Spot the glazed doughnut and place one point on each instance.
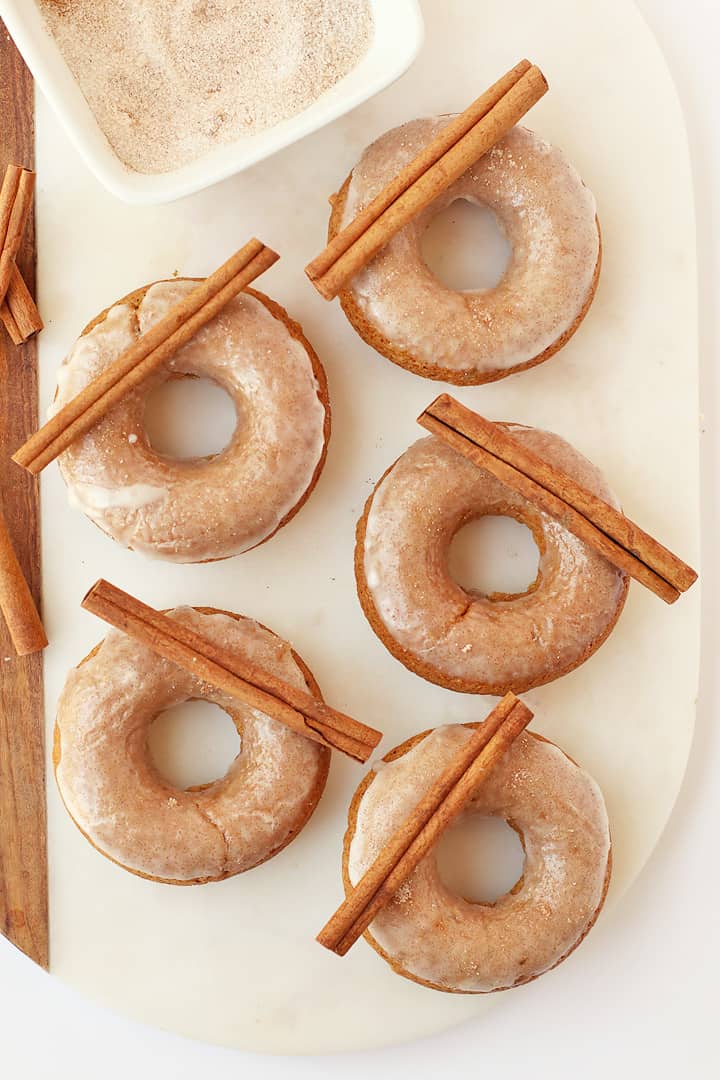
(548, 215)
(201, 509)
(468, 641)
(434, 937)
(137, 819)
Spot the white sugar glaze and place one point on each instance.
(549, 218)
(207, 508)
(500, 643)
(116, 796)
(433, 935)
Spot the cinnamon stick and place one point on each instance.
(585, 515)
(16, 602)
(14, 332)
(231, 673)
(8, 191)
(12, 223)
(458, 146)
(151, 350)
(18, 312)
(8, 194)
(432, 815)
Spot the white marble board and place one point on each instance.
(237, 963)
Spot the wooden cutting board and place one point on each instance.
(23, 841)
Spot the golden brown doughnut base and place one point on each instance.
(134, 299)
(428, 671)
(406, 359)
(393, 755)
(303, 818)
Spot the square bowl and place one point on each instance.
(397, 38)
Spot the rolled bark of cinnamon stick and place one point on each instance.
(16, 221)
(151, 350)
(16, 602)
(231, 673)
(581, 512)
(14, 332)
(459, 145)
(19, 312)
(8, 193)
(432, 815)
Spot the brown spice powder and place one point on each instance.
(169, 80)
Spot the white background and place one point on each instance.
(643, 999)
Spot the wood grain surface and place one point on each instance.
(23, 832)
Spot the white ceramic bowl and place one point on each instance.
(397, 40)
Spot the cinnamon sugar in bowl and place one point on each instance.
(166, 97)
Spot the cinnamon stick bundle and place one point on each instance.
(581, 512)
(231, 673)
(443, 161)
(145, 355)
(8, 194)
(18, 312)
(432, 815)
(16, 198)
(16, 602)
(16, 195)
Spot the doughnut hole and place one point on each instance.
(494, 557)
(188, 417)
(193, 744)
(465, 247)
(480, 858)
